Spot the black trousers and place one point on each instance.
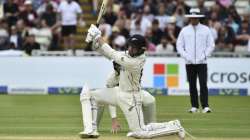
(200, 71)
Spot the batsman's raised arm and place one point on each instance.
(125, 60)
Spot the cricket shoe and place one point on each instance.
(193, 110)
(85, 135)
(181, 130)
(206, 110)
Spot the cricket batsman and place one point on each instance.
(148, 102)
(128, 95)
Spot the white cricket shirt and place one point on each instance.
(195, 44)
(69, 12)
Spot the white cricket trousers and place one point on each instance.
(130, 103)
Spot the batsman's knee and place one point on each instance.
(152, 100)
(84, 97)
(149, 101)
(85, 94)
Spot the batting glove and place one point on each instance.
(93, 34)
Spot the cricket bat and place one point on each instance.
(102, 11)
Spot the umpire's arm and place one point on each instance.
(210, 44)
(180, 46)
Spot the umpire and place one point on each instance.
(195, 43)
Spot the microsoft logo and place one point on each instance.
(166, 75)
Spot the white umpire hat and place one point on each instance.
(195, 13)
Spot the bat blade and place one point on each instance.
(102, 11)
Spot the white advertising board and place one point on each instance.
(35, 74)
(39, 72)
(228, 74)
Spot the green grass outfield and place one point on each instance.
(51, 117)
